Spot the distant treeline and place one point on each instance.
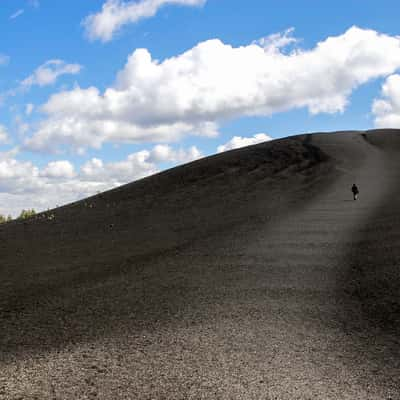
(23, 215)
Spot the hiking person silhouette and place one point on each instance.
(355, 191)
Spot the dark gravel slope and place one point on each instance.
(247, 275)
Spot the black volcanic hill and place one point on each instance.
(251, 274)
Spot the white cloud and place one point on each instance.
(17, 176)
(117, 13)
(24, 185)
(3, 134)
(21, 126)
(277, 41)
(4, 59)
(239, 141)
(17, 13)
(138, 165)
(58, 169)
(135, 166)
(165, 153)
(387, 109)
(191, 93)
(12, 153)
(29, 108)
(48, 73)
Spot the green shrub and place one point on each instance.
(4, 219)
(27, 214)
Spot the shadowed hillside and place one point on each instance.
(249, 274)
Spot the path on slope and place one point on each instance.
(324, 346)
(264, 312)
(286, 322)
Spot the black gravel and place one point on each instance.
(247, 275)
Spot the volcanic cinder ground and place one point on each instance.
(247, 275)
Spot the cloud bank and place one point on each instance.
(116, 13)
(24, 185)
(153, 101)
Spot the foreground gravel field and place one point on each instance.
(248, 275)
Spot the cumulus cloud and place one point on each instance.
(3, 134)
(238, 141)
(24, 185)
(116, 13)
(48, 73)
(17, 176)
(165, 153)
(17, 13)
(387, 109)
(58, 169)
(192, 93)
(138, 164)
(135, 166)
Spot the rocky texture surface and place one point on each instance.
(247, 275)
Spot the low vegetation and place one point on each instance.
(4, 219)
(23, 215)
(27, 214)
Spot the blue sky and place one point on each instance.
(76, 118)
